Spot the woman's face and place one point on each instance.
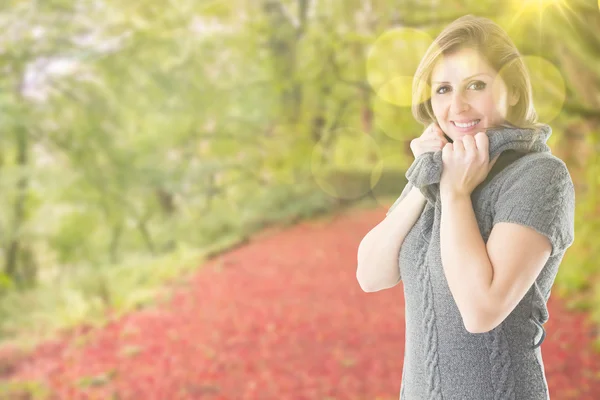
(465, 89)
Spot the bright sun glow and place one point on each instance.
(537, 6)
(529, 8)
(540, 4)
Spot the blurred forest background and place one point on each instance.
(139, 136)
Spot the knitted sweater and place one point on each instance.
(528, 186)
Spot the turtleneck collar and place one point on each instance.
(426, 171)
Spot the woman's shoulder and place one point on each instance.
(543, 156)
(537, 163)
(533, 170)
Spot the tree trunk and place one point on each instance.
(11, 266)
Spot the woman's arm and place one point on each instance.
(465, 259)
(378, 266)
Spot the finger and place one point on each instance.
(458, 146)
(431, 149)
(469, 145)
(429, 129)
(436, 148)
(434, 143)
(430, 132)
(437, 130)
(483, 143)
(441, 138)
(447, 151)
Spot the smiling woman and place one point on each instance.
(478, 264)
(463, 79)
(467, 94)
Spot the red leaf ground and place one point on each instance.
(282, 317)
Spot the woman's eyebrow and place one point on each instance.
(469, 77)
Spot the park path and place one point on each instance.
(281, 317)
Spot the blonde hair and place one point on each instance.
(497, 49)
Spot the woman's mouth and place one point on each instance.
(466, 127)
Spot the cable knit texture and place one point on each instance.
(529, 186)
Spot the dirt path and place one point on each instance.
(280, 318)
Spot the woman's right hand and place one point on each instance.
(432, 139)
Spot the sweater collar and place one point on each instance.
(426, 170)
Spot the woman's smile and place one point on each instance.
(466, 127)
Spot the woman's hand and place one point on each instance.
(432, 139)
(466, 164)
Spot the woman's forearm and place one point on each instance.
(465, 259)
(378, 266)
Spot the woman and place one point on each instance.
(479, 263)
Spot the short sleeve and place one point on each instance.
(540, 195)
(405, 191)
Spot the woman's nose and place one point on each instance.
(459, 103)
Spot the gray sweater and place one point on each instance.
(528, 185)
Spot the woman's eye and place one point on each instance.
(479, 83)
(440, 88)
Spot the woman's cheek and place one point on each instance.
(437, 109)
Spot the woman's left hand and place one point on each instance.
(466, 164)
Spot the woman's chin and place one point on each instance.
(471, 133)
